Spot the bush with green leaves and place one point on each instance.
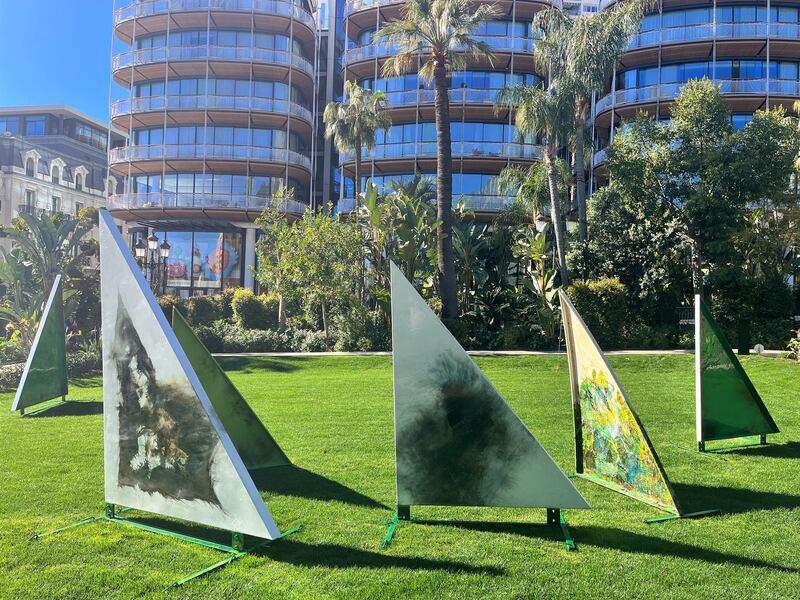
(203, 310)
(602, 304)
(167, 303)
(360, 329)
(79, 364)
(254, 312)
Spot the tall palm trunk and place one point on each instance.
(357, 179)
(444, 194)
(555, 213)
(580, 171)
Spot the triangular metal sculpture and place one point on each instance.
(612, 448)
(257, 448)
(166, 449)
(457, 442)
(45, 375)
(727, 403)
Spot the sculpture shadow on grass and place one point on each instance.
(732, 500)
(71, 408)
(618, 539)
(333, 556)
(290, 480)
(254, 364)
(786, 450)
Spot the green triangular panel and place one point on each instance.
(457, 441)
(254, 443)
(45, 374)
(728, 405)
(612, 447)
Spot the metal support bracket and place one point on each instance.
(45, 406)
(693, 515)
(236, 550)
(762, 441)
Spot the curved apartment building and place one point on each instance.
(750, 49)
(219, 109)
(483, 142)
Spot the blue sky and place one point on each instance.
(56, 52)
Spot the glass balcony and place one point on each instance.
(478, 203)
(146, 104)
(132, 58)
(708, 31)
(495, 42)
(460, 149)
(149, 8)
(668, 91)
(599, 157)
(427, 96)
(197, 200)
(210, 152)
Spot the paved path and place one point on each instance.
(769, 353)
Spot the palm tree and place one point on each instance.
(531, 185)
(420, 187)
(470, 242)
(583, 53)
(439, 33)
(545, 113)
(354, 124)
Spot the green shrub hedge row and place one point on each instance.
(79, 364)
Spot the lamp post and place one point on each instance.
(152, 259)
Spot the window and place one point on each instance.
(34, 126)
(79, 182)
(78, 208)
(9, 125)
(56, 175)
(30, 200)
(55, 204)
(29, 167)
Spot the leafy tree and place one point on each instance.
(470, 244)
(582, 53)
(699, 172)
(354, 123)
(546, 113)
(313, 261)
(531, 185)
(439, 32)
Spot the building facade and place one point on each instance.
(53, 159)
(751, 50)
(223, 104)
(219, 104)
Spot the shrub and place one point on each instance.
(203, 310)
(650, 337)
(10, 352)
(79, 364)
(254, 312)
(360, 330)
(225, 301)
(306, 340)
(168, 302)
(602, 304)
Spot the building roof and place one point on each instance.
(58, 110)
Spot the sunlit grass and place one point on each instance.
(333, 417)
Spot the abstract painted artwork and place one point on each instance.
(166, 449)
(457, 441)
(253, 442)
(45, 373)
(612, 447)
(727, 403)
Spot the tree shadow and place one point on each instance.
(291, 480)
(89, 381)
(253, 364)
(616, 539)
(71, 408)
(732, 500)
(334, 556)
(786, 450)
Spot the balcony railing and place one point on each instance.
(149, 8)
(669, 91)
(599, 157)
(477, 203)
(459, 149)
(352, 6)
(710, 31)
(495, 42)
(147, 104)
(173, 200)
(427, 96)
(208, 151)
(201, 53)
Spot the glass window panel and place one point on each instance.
(241, 136)
(222, 184)
(230, 260)
(187, 135)
(179, 263)
(223, 136)
(186, 183)
(206, 268)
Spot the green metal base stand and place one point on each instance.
(694, 515)
(554, 518)
(45, 406)
(237, 549)
(762, 441)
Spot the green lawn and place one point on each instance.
(333, 417)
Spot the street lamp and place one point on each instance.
(152, 259)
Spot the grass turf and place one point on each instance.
(333, 417)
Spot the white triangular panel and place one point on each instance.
(166, 451)
(457, 441)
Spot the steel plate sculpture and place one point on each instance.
(612, 448)
(253, 442)
(457, 442)
(45, 375)
(727, 403)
